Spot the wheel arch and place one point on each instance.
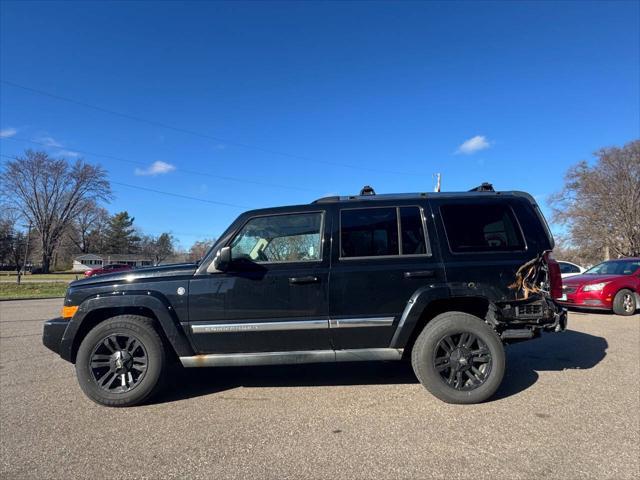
(426, 305)
(95, 310)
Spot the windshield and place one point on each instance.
(617, 267)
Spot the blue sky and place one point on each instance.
(281, 103)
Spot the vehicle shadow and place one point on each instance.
(551, 352)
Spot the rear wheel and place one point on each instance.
(120, 362)
(459, 358)
(624, 303)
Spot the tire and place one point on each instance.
(134, 368)
(624, 303)
(434, 358)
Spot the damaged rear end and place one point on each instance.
(533, 310)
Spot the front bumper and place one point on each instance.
(597, 300)
(53, 332)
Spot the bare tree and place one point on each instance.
(88, 227)
(50, 193)
(600, 204)
(158, 248)
(199, 249)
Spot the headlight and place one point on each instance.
(594, 287)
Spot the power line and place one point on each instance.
(189, 172)
(162, 192)
(200, 134)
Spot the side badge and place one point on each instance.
(181, 290)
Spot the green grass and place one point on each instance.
(62, 277)
(32, 290)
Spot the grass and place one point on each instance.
(32, 290)
(62, 277)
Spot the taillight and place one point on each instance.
(555, 277)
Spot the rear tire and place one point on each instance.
(624, 303)
(459, 358)
(121, 361)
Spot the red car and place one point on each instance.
(114, 267)
(611, 285)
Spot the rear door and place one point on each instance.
(274, 296)
(382, 254)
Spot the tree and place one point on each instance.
(599, 205)
(88, 228)
(199, 249)
(121, 235)
(49, 193)
(158, 248)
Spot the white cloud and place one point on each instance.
(156, 168)
(8, 132)
(50, 142)
(473, 145)
(69, 153)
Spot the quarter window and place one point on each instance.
(280, 238)
(481, 228)
(413, 239)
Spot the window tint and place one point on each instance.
(280, 238)
(368, 232)
(413, 241)
(568, 268)
(481, 228)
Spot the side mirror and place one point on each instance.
(221, 261)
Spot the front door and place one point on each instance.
(274, 295)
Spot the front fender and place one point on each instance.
(154, 302)
(413, 310)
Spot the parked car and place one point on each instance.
(442, 279)
(114, 267)
(611, 285)
(568, 269)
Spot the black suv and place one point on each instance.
(440, 279)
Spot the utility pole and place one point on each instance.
(26, 254)
(438, 178)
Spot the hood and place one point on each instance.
(138, 274)
(584, 279)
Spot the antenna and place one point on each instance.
(438, 179)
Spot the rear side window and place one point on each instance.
(369, 232)
(481, 228)
(384, 231)
(568, 268)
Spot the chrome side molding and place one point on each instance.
(311, 324)
(288, 358)
(360, 322)
(260, 326)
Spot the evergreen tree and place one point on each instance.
(121, 235)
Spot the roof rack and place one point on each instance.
(485, 187)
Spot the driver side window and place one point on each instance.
(280, 239)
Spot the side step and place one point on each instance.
(291, 358)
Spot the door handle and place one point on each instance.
(420, 274)
(301, 280)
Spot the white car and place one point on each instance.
(568, 269)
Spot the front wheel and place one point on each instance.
(120, 362)
(624, 303)
(459, 358)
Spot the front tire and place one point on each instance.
(121, 361)
(624, 303)
(459, 358)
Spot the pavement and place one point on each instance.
(569, 408)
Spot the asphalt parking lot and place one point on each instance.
(569, 408)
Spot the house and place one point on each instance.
(88, 261)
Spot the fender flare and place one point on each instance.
(157, 304)
(418, 302)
